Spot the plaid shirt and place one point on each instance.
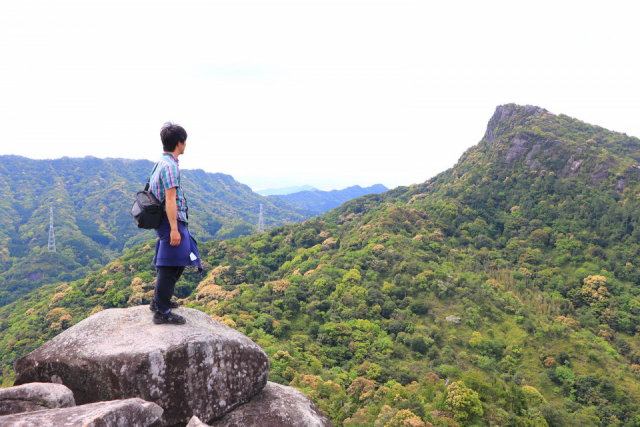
(165, 176)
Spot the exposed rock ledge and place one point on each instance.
(119, 413)
(275, 406)
(35, 397)
(203, 368)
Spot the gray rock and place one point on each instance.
(117, 413)
(276, 406)
(506, 113)
(575, 166)
(572, 167)
(535, 165)
(34, 397)
(600, 173)
(533, 110)
(533, 151)
(203, 368)
(502, 114)
(518, 147)
(195, 422)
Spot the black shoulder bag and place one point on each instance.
(147, 210)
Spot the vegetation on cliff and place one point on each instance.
(503, 291)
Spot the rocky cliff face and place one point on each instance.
(508, 117)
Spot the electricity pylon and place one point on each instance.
(52, 237)
(260, 221)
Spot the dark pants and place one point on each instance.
(165, 285)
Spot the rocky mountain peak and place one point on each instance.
(531, 140)
(507, 117)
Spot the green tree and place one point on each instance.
(405, 418)
(463, 402)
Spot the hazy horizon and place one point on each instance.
(329, 94)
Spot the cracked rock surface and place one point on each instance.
(275, 406)
(34, 397)
(202, 368)
(119, 413)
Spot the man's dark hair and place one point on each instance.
(171, 134)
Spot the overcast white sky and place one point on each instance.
(327, 93)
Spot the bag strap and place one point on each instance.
(146, 187)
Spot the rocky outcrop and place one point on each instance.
(518, 147)
(119, 413)
(34, 397)
(203, 368)
(504, 115)
(275, 406)
(532, 162)
(600, 173)
(572, 167)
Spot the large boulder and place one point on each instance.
(202, 368)
(117, 413)
(34, 397)
(276, 406)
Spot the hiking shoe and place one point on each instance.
(172, 318)
(153, 307)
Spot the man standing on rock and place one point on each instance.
(175, 248)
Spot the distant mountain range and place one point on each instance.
(285, 190)
(323, 201)
(91, 199)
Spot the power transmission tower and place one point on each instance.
(260, 221)
(52, 238)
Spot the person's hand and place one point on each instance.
(175, 238)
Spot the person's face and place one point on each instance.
(182, 146)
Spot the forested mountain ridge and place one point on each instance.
(91, 199)
(494, 294)
(323, 201)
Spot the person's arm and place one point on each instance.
(172, 214)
